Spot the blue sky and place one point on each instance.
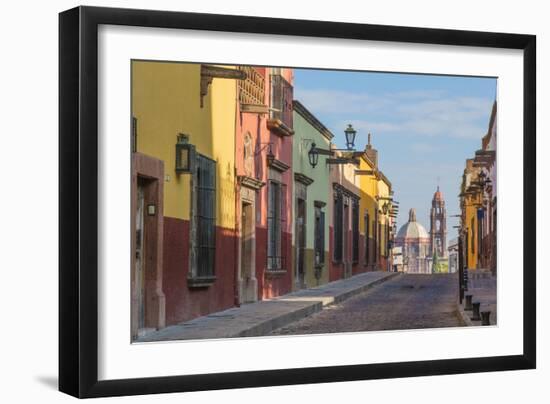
(423, 126)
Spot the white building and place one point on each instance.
(453, 255)
(415, 243)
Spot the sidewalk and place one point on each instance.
(262, 317)
(483, 288)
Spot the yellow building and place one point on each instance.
(183, 185)
(369, 211)
(376, 208)
(470, 203)
(385, 222)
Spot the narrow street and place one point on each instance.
(405, 302)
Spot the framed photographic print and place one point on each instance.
(250, 201)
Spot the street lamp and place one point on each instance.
(350, 137)
(314, 151)
(313, 155)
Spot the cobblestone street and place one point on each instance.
(405, 302)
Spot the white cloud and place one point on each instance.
(424, 113)
(337, 102)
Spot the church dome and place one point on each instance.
(412, 229)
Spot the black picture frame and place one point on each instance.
(78, 201)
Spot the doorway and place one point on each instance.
(346, 259)
(248, 283)
(300, 242)
(148, 302)
(139, 267)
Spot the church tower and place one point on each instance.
(438, 226)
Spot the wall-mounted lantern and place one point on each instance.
(350, 137)
(185, 155)
(313, 155)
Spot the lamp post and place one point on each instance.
(350, 137)
(314, 151)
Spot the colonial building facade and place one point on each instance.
(228, 207)
(183, 227)
(310, 202)
(478, 203)
(264, 182)
(344, 229)
(378, 212)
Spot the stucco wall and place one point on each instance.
(319, 190)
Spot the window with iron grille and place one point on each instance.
(367, 235)
(319, 237)
(355, 229)
(338, 226)
(206, 216)
(276, 213)
(281, 99)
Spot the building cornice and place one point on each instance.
(340, 188)
(278, 165)
(311, 119)
(304, 179)
(250, 182)
(210, 72)
(382, 177)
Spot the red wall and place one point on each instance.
(336, 269)
(182, 303)
(272, 286)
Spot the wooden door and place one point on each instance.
(248, 290)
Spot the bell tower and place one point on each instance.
(438, 226)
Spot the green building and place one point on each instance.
(310, 236)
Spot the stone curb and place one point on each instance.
(310, 301)
(465, 318)
(363, 288)
(277, 322)
(315, 307)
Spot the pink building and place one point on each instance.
(264, 186)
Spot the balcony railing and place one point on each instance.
(252, 89)
(280, 116)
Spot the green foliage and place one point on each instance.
(439, 266)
